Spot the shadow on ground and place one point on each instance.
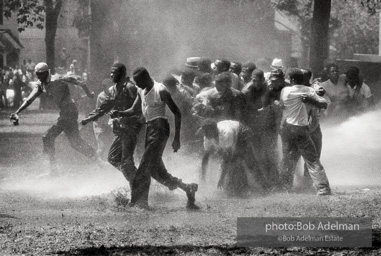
(225, 250)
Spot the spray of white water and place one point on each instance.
(351, 156)
(351, 151)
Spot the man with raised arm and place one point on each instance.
(59, 91)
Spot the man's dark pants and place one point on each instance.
(3, 98)
(121, 154)
(297, 141)
(69, 125)
(317, 139)
(152, 165)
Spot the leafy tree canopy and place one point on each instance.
(371, 5)
(29, 13)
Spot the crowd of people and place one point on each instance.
(238, 110)
(18, 81)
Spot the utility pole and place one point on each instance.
(379, 34)
(88, 42)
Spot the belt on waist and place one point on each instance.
(156, 120)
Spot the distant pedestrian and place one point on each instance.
(63, 58)
(30, 69)
(73, 69)
(3, 91)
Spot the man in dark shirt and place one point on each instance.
(271, 119)
(126, 129)
(223, 102)
(253, 92)
(59, 91)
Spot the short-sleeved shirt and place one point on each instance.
(227, 136)
(364, 91)
(336, 93)
(30, 66)
(295, 111)
(360, 96)
(227, 106)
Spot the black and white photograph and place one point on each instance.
(190, 127)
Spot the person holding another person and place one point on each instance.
(296, 139)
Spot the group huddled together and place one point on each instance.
(237, 111)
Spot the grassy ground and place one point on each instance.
(80, 211)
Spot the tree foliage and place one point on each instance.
(29, 13)
(354, 31)
(41, 14)
(352, 24)
(301, 10)
(371, 5)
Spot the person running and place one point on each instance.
(102, 129)
(59, 91)
(153, 97)
(121, 97)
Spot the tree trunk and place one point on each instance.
(52, 13)
(319, 50)
(101, 42)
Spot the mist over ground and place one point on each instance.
(350, 156)
(351, 150)
(161, 34)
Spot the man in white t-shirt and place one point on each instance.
(295, 135)
(232, 141)
(153, 98)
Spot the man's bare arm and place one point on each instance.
(82, 84)
(166, 97)
(32, 96)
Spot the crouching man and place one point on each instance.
(232, 141)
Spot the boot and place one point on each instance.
(190, 190)
(141, 205)
(324, 191)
